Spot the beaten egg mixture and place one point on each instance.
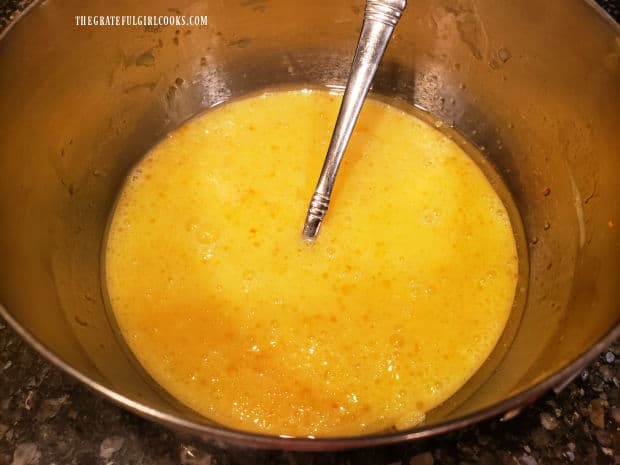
(387, 314)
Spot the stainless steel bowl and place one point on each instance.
(535, 85)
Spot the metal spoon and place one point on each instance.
(380, 18)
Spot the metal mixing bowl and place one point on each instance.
(534, 85)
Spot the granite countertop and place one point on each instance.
(46, 417)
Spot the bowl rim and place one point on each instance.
(507, 408)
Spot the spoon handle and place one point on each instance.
(380, 18)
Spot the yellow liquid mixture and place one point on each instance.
(395, 306)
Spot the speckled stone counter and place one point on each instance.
(48, 418)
